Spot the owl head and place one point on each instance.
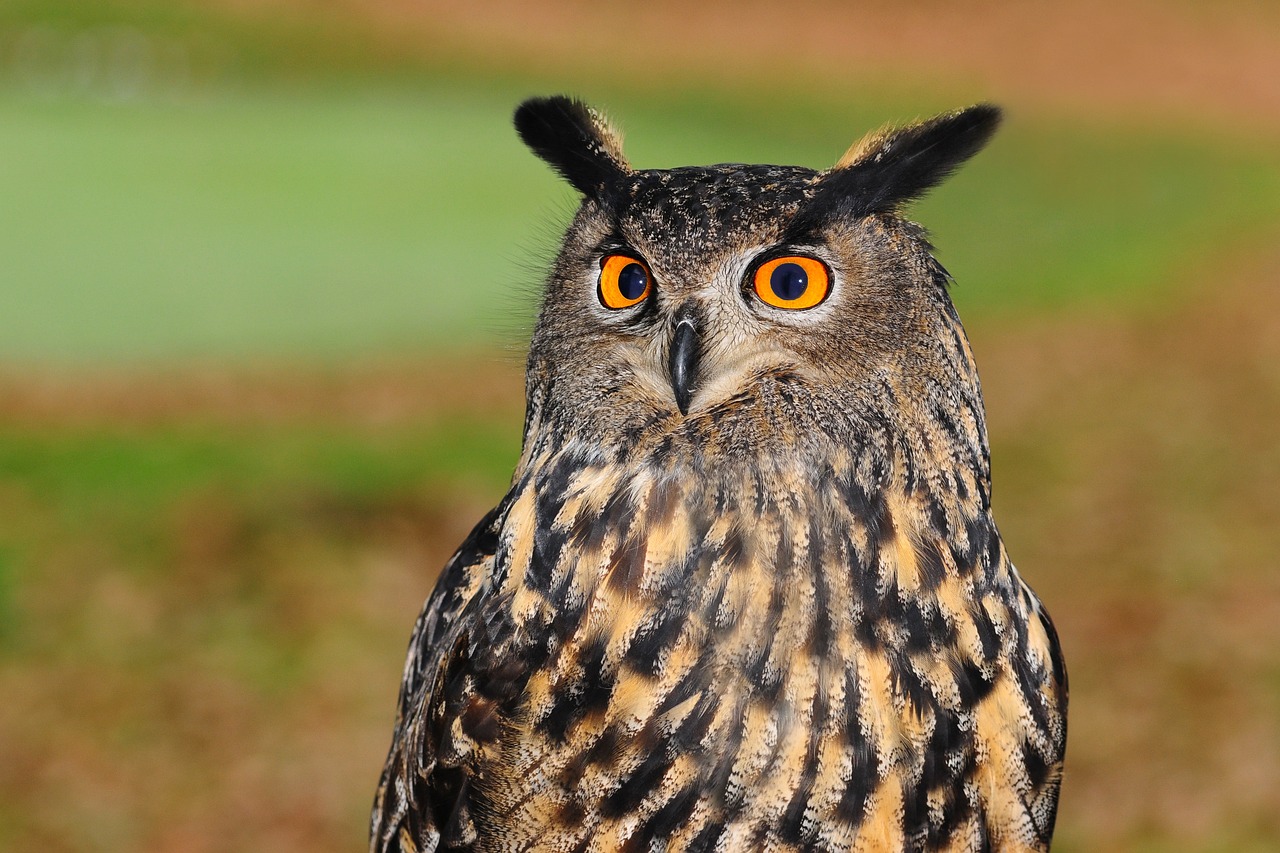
(765, 293)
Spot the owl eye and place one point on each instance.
(792, 282)
(624, 281)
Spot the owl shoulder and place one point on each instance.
(425, 793)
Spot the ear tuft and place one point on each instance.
(575, 140)
(893, 166)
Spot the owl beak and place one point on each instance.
(682, 362)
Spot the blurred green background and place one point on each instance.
(266, 270)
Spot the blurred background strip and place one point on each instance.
(266, 269)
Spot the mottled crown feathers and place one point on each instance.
(575, 139)
(879, 173)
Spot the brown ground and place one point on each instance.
(1193, 62)
(1137, 476)
(236, 694)
(366, 395)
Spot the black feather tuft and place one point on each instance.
(890, 169)
(574, 140)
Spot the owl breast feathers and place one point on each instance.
(745, 591)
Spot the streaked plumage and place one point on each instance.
(745, 592)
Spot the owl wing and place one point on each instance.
(424, 796)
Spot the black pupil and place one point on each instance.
(632, 281)
(789, 281)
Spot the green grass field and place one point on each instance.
(259, 374)
(336, 221)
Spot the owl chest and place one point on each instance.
(645, 595)
(704, 646)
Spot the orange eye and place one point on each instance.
(624, 281)
(793, 282)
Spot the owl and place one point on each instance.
(745, 591)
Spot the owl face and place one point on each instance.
(678, 292)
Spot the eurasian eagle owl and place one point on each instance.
(745, 592)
